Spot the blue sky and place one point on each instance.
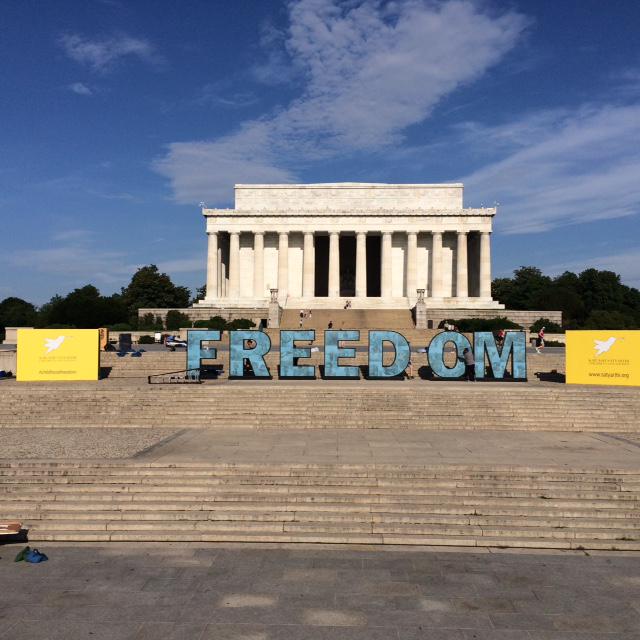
(118, 118)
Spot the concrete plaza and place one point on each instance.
(314, 592)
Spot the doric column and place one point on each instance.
(412, 263)
(385, 267)
(462, 276)
(436, 265)
(308, 266)
(212, 266)
(361, 264)
(234, 265)
(485, 265)
(222, 274)
(283, 265)
(258, 264)
(334, 264)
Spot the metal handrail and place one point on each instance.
(193, 378)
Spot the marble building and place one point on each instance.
(377, 245)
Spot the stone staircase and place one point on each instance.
(323, 404)
(394, 319)
(462, 505)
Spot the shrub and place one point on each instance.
(121, 326)
(215, 323)
(150, 323)
(177, 320)
(240, 323)
(469, 325)
(549, 326)
(146, 340)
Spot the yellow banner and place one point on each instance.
(58, 354)
(603, 357)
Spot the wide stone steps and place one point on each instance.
(393, 504)
(322, 404)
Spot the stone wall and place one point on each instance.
(204, 313)
(524, 318)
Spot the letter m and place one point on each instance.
(514, 346)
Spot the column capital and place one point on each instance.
(436, 233)
(462, 233)
(258, 233)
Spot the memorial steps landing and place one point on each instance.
(323, 404)
(459, 505)
(363, 319)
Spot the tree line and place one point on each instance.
(592, 299)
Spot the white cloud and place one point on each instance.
(76, 256)
(74, 261)
(626, 263)
(81, 89)
(561, 167)
(103, 54)
(370, 70)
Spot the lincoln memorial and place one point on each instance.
(377, 245)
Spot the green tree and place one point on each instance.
(16, 312)
(592, 299)
(151, 289)
(201, 293)
(85, 308)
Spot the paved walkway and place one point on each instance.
(304, 592)
(328, 446)
(396, 446)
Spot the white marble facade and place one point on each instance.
(374, 244)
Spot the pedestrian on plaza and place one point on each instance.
(500, 339)
(301, 317)
(330, 325)
(540, 341)
(469, 364)
(409, 369)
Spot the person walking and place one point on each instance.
(301, 318)
(469, 364)
(330, 325)
(540, 341)
(409, 369)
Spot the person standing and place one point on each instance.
(469, 364)
(540, 341)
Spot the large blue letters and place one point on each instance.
(289, 352)
(333, 352)
(514, 345)
(377, 369)
(436, 354)
(195, 352)
(240, 352)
